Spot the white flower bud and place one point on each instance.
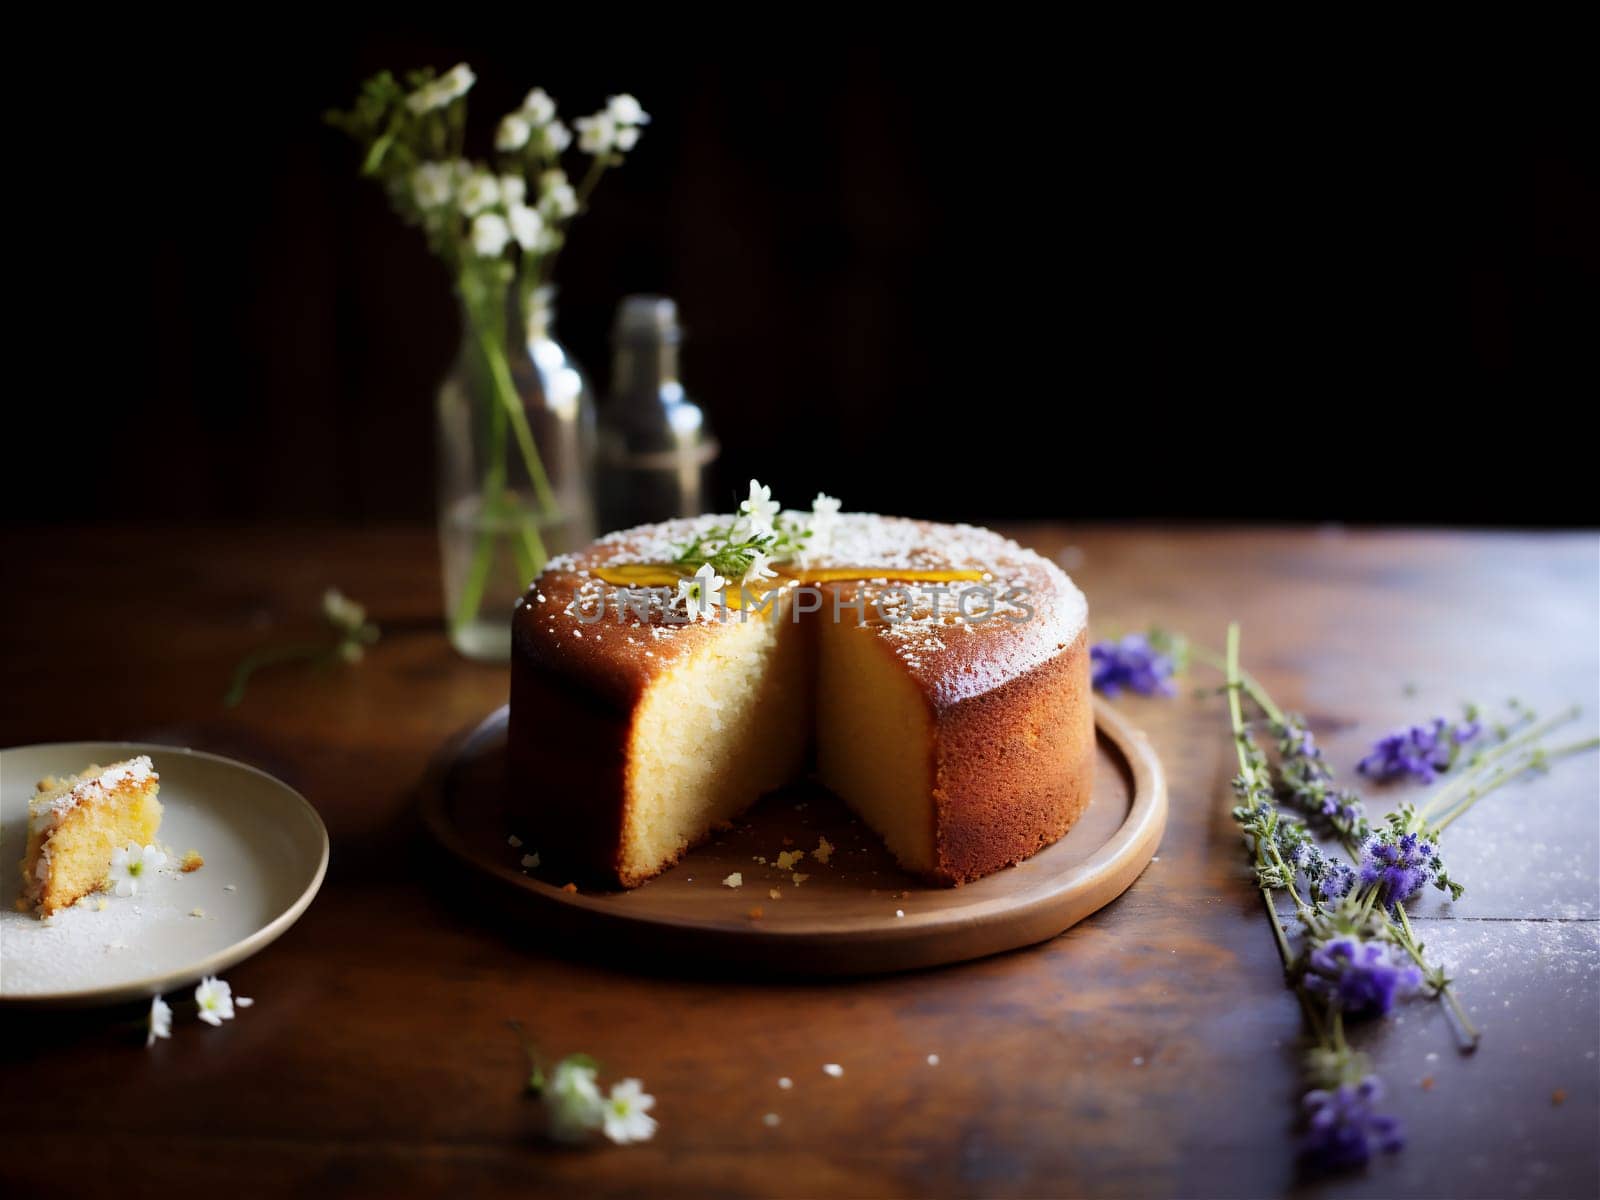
(490, 233)
(513, 132)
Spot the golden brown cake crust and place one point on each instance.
(1009, 698)
(1015, 767)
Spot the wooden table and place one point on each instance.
(1150, 1051)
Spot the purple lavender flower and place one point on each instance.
(1342, 1128)
(1360, 978)
(1419, 752)
(1132, 663)
(1308, 783)
(1337, 882)
(1399, 868)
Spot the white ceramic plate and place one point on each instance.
(265, 852)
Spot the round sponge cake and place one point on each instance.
(935, 676)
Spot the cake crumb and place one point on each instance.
(230, 887)
(799, 878)
(197, 912)
(570, 887)
(785, 1082)
(824, 851)
(530, 861)
(933, 1060)
(1427, 1083)
(899, 912)
(755, 914)
(770, 1120)
(734, 880)
(833, 1069)
(101, 904)
(774, 894)
(191, 861)
(788, 858)
(514, 842)
(1558, 1097)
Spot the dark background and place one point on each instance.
(1049, 272)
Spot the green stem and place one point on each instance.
(1532, 760)
(1407, 937)
(1441, 800)
(506, 392)
(527, 545)
(546, 267)
(1252, 686)
(269, 657)
(1284, 950)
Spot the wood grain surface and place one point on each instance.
(1150, 1050)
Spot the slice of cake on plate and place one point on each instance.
(76, 825)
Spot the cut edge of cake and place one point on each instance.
(76, 824)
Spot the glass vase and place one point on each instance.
(516, 463)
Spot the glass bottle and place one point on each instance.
(655, 448)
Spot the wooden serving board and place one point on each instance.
(842, 918)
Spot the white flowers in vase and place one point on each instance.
(498, 224)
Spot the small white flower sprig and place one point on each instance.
(491, 222)
(352, 634)
(214, 1003)
(575, 1108)
(498, 226)
(759, 535)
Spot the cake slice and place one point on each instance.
(76, 824)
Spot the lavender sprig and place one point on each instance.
(1138, 662)
(1421, 752)
(1359, 954)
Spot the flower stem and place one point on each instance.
(1407, 937)
(1442, 799)
(268, 657)
(1532, 760)
(1251, 685)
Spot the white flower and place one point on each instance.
(481, 190)
(490, 233)
(433, 184)
(572, 1100)
(556, 196)
(159, 1022)
(132, 863)
(557, 137)
(513, 189)
(527, 226)
(760, 508)
(627, 1114)
(824, 516)
(513, 132)
(214, 998)
(597, 134)
(538, 107)
(702, 592)
(758, 568)
(627, 137)
(342, 612)
(625, 110)
(452, 85)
